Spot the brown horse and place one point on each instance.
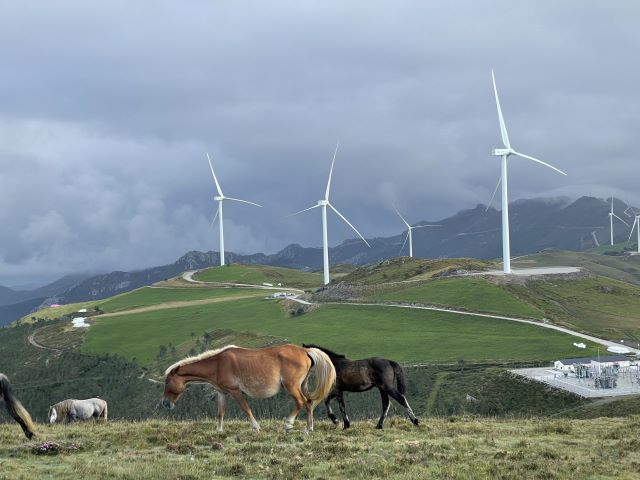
(258, 373)
(15, 408)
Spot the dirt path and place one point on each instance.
(188, 277)
(179, 304)
(32, 341)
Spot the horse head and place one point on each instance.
(174, 385)
(53, 414)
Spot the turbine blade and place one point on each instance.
(611, 203)
(495, 190)
(422, 226)
(632, 228)
(348, 223)
(326, 194)
(242, 201)
(539, 161)
(404, 243)
(216, 215)
(301, 211)
(405, 222)
(621, 219)
(215, 179)
(503, 128)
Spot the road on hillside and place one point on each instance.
(188, 276)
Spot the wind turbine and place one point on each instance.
(220, 198)
(636, 225)
(409, 235)
(505, 152)
(323, 204)
(611, 215)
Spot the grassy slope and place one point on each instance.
(624, 268)
(598, 305)
(406, 335)
(475, 294)
(258, 274)
(404, 268)
(439, 449)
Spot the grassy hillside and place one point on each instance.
(623, 268)
(258, 274)
(469, 293)
(406, 335)
(438, 449)
(405, 268)
(598, 305)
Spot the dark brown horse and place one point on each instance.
(362, 375)
(258, 373)
(15, 408)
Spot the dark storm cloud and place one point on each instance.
(106, 110)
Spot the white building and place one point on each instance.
(597, 363)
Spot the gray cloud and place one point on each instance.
(107, 109)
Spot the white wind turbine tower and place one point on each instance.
(324, 203)
(611, 215)
(636, 225)
(409, 235)
(220, 198)
(505, 152)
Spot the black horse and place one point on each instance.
(362, 375)
(15, 409)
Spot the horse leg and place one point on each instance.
(238, 396)
(300, 401)
(402, 400)
(385, 408)
(330, 414)
(222, 401)
(343, 411)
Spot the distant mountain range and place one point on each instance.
(536, 224)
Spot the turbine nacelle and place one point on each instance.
(500, 152)
(322, 203)
(218, 198)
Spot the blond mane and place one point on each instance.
(197, 358)
(62, 408)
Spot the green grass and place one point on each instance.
(403, 334)
(623, 268)
(147, 296)
(259, 274)
(459, 449)
(598, 305)
(616, 247)
(469, 293)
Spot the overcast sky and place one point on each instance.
(107, 108)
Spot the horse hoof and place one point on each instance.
(346, 425)
(379, 427)
(415, 422)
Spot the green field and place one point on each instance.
(469, 293)
(259, 274)
(454, 449)
(147, 296)
(598, 305)
(403, 334)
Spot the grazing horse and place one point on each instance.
(362, 375)
(72, 410)
(15, 408)
(258, 373)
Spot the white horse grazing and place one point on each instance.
(77, 410)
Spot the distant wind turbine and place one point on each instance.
(636, 225)
(324, 203)
(409, 235)
(611, 215)
(221, 198)
(505, 152)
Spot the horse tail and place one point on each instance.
(105, 411)
(15, 408)
(325, 376)
(399, 374)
